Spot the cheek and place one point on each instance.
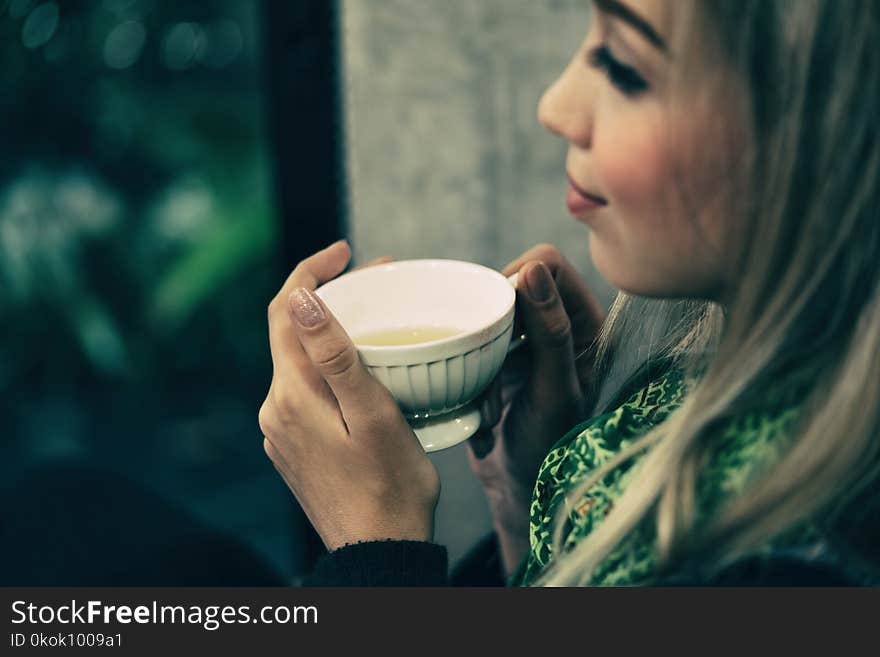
(634, 167)
(651, 244)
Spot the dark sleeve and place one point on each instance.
(382, 563)
(481, 566)
(767, 571)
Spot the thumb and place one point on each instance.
(554, 380)
(333, 354)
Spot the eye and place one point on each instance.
(620, 75)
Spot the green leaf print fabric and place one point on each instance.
(743, 446)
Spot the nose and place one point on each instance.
(566, 108)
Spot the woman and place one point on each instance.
(725, 157)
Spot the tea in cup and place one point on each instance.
(434, 332)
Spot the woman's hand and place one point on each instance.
(335, 433)
(543, 389)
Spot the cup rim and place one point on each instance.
(491, 330)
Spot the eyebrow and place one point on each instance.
(619, 10)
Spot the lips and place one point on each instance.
(580, 201)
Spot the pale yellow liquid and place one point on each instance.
(404, 336)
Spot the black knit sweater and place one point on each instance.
(414, 563)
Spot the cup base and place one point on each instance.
(449, 429)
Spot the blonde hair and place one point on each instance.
(806, 307)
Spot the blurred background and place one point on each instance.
(164, 166)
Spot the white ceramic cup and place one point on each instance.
(430, 380)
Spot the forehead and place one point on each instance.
(657, 13)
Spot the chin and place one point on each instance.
(616, 271)
(627, 277)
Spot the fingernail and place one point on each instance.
(539, 283)
(306, 308)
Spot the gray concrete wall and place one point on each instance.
(446, 158)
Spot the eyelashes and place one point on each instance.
(624, 77)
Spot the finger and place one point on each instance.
(554, 381)
(318, 268)
(372, 263)
(334, 356)
(490, 404)
(290, 364)
(546, 253)
(583, 308)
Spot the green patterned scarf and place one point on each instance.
(746, 444)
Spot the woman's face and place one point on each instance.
(647, 158)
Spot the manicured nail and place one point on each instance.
(539, 283)
(306, 308)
